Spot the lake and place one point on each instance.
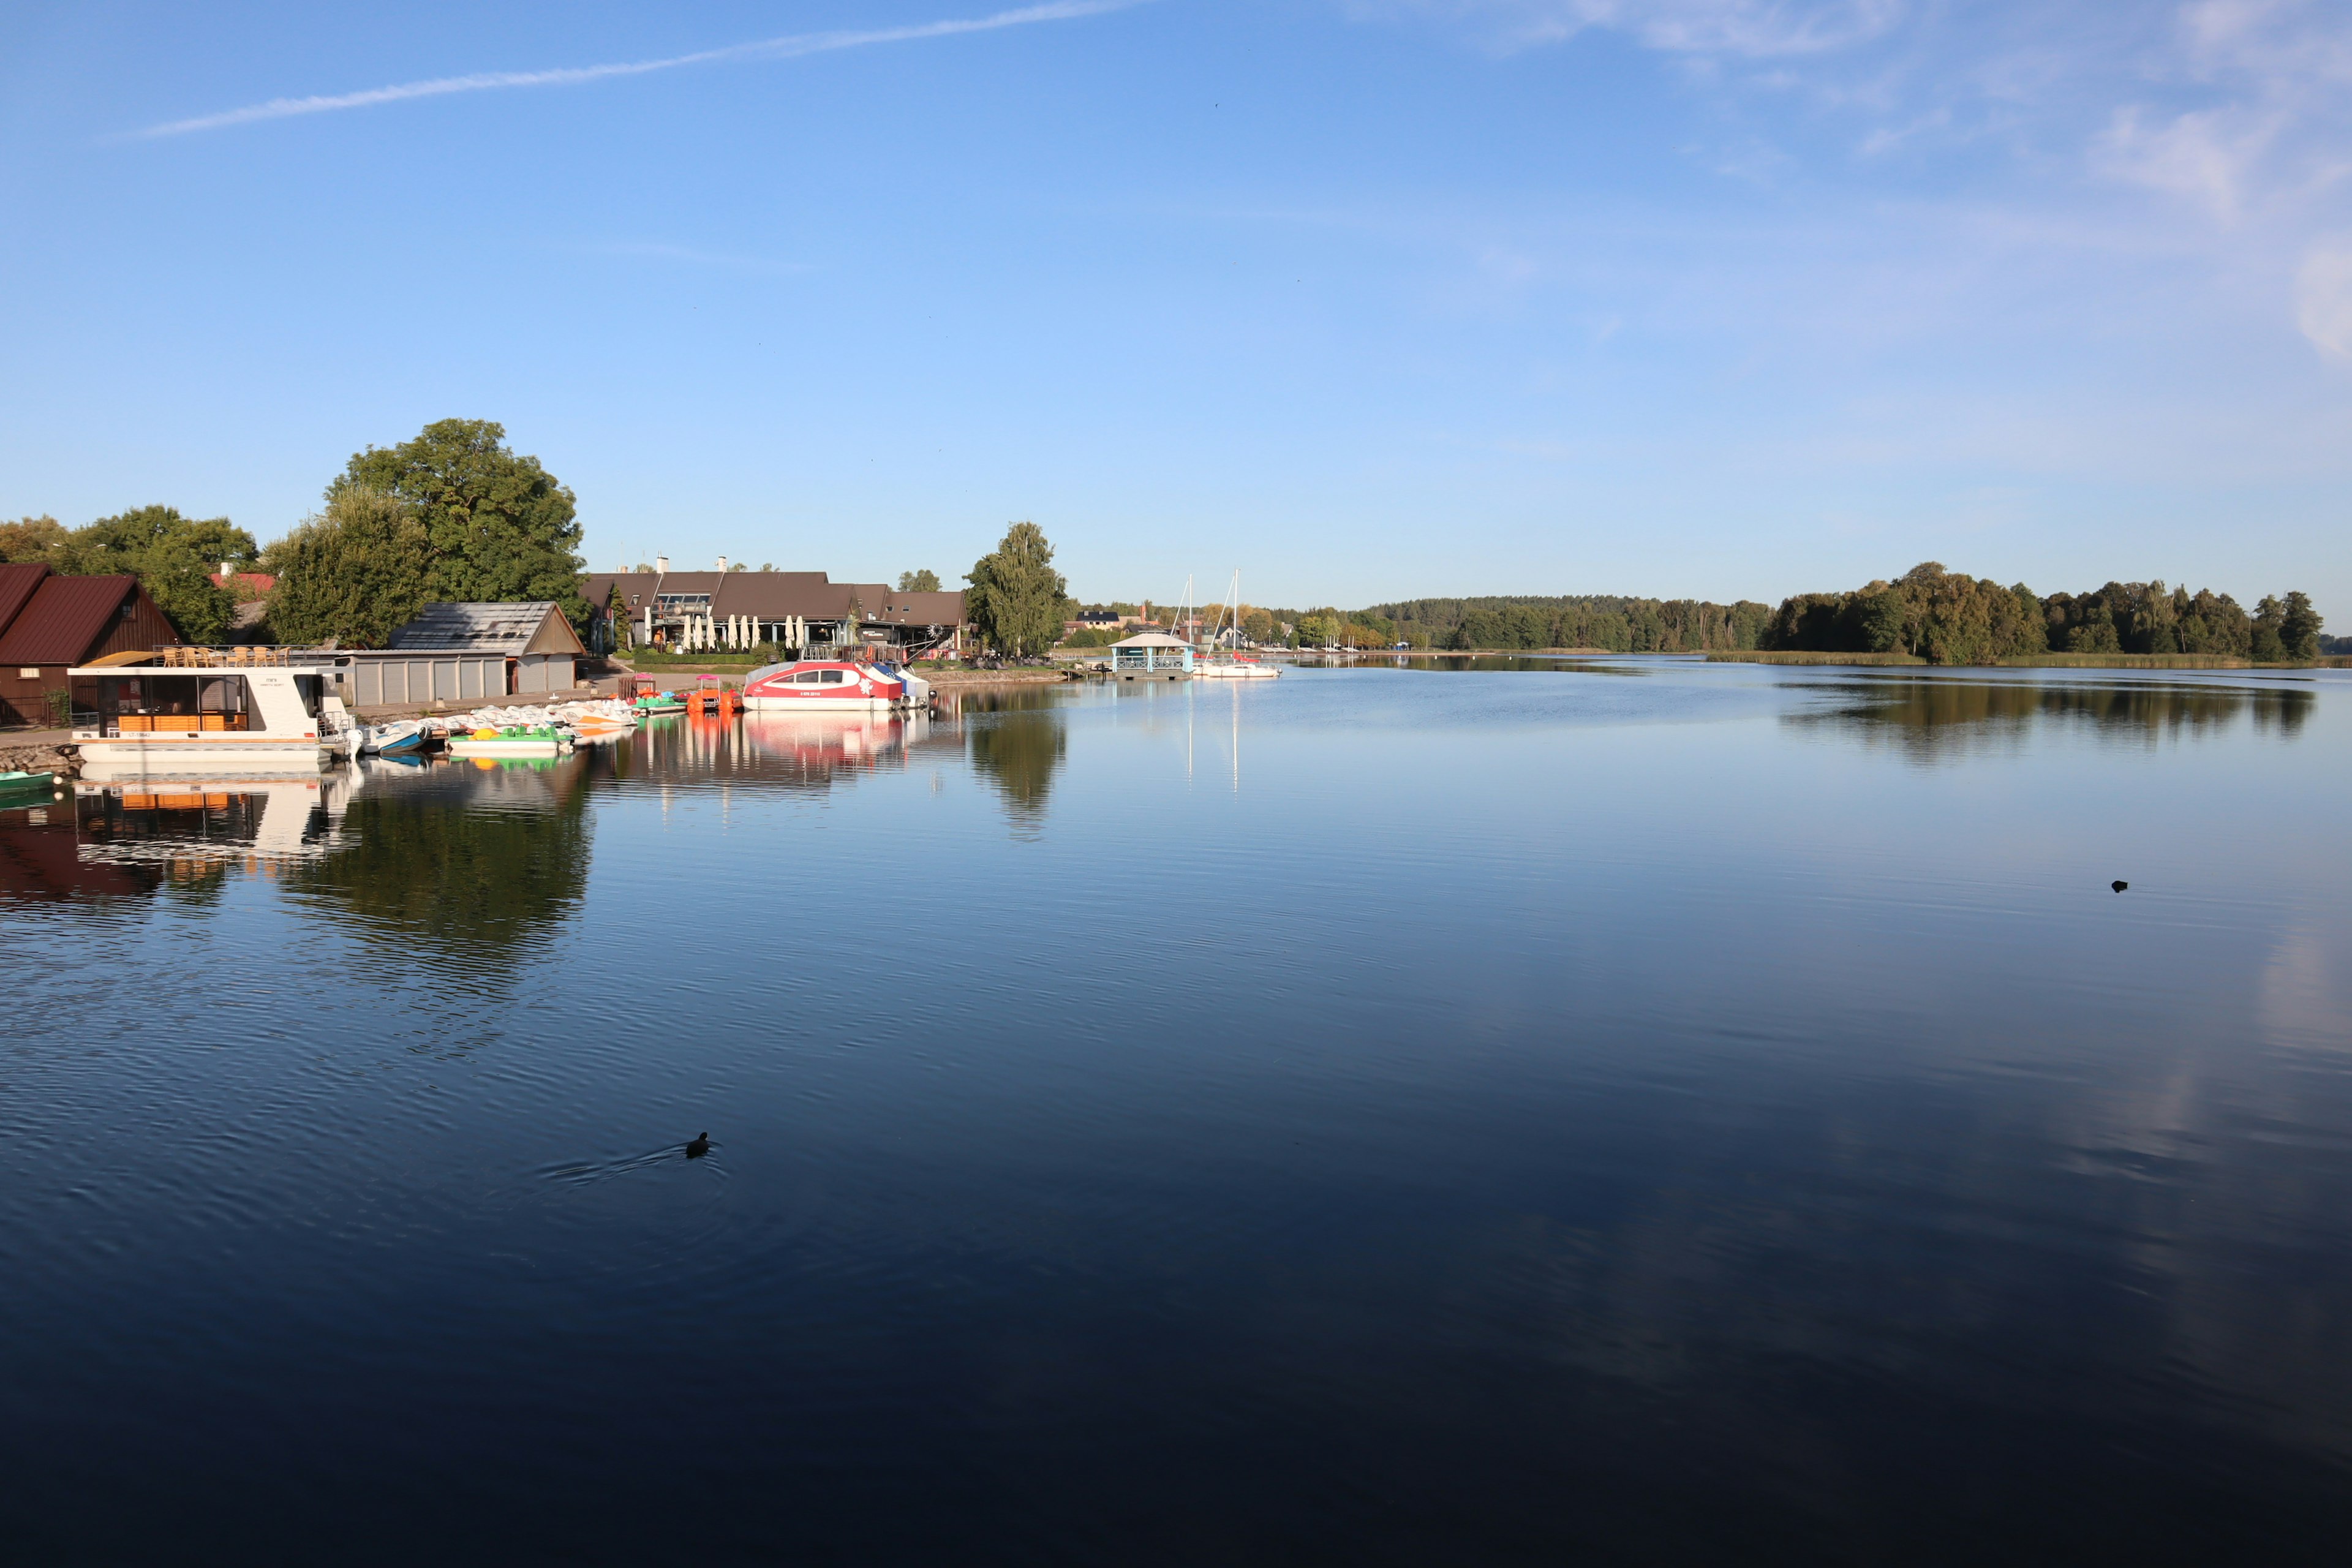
(1634, 1111)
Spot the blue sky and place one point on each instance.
(1365, 298)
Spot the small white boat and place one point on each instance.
(1239, 668)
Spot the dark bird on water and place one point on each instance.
(701, 1144)
(2119, 887)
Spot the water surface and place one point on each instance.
(1636, 1111)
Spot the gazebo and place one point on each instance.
(1151, 656)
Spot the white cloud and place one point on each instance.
(566, 76)
(2324, 298)
(2206, 154)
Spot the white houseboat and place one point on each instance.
(207, 710)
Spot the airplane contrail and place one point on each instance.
(770, 49)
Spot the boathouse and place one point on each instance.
(1151, 656)
(50, 623)
(463, 653)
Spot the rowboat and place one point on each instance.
(23, 788)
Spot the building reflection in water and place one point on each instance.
(1942, 719)
(183, 835)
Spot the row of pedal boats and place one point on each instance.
(804, 686)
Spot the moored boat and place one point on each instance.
(516, 740)
(19, 788)
(193, 710)
(823, 686)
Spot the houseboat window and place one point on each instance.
(830, 677)
(307, 686)
(136, 703)
(806, 678)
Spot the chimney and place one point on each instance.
(227, 570)
(661, 564)
(723, 564)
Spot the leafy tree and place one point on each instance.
(2299, 626)
(351, 572)
(496, 526)
(174, 557)
(32, 539)
(1017, 598)
(1257, 625)
(923, 582)
(2269, 647)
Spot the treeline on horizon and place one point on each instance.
(1619, 623)
(1950, 618)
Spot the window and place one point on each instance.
(830, 677)
(806, 678)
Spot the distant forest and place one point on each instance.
(1950, 618)
(1609, 621)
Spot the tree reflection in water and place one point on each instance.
(1934, 718)
(481, 864)
(1017, 739)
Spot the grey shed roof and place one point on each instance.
(509, 629)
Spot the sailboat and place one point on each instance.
(1220, 664)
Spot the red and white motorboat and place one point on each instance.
(832, 686)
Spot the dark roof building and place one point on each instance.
(512, 630)
(50, 624)
(743, 608)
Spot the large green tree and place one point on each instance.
(924, 581)
(1017, 598)
(174, 559)
(352, 573)
(496, 526)
(32, 539)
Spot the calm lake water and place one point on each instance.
(1638, 1112)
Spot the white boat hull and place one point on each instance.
(204, 752)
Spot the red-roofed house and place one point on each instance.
(49, 624)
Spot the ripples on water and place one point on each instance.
(1641, 1111)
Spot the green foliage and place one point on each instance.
(1017, 599)
(174, 559)
(1949, 617)
(924, 581)
(32, 539)
(497, 526)
(1092, 637)
(352, 573)
(1605, 621)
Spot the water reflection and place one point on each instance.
(480, 862)
(779, 751)
(185, 836)
(1935, 719)
(1018, 739)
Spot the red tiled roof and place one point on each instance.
(64, 618)
(259, 582)
(18, 581)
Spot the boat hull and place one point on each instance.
(472, 747)
(822, 686)
(205, 752)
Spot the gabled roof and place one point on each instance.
(64, 619)
(911, 609)
(769, 596)
(509, 629)
(17, 582)
(1151, 639)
